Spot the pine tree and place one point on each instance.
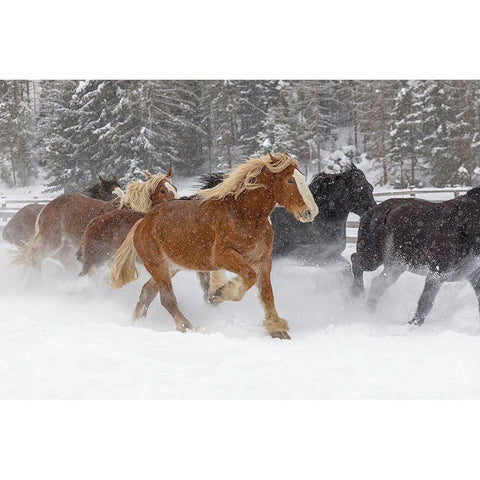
(277, 132)
(255, 98)
(223, 111)
(373, 102)
(406, 133)
(55, 119)
(461, 126)
(435, 132)
(316, 107)
(16, 133)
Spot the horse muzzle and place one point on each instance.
(306, 215)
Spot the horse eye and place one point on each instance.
(162, 191)
(290, 180)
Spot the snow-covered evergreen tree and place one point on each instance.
(406, 134)
(17, 165)
(278, 128)
(54, 143)
(435, 141)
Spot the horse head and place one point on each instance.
(289, 188)
(104, 189)
(164, 190)
(360, 191)
(341, 193)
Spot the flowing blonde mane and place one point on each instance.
(138, 193)
(243, 177)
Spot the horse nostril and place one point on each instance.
(308, 212)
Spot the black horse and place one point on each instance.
(324, 239)
(439, 240)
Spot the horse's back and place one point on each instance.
(435, 235)
(71, 213)
(118, 221)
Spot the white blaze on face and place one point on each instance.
(305, 193)
(172, 189)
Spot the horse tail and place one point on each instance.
(123, 270)
(25, 255)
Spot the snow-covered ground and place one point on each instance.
(69, 338)
(64, 337)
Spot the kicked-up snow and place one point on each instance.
(65, 337)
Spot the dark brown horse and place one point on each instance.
(438, 240)
(62, 222)
(21, 227)
(228, 228)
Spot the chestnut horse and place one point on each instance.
(21, 227)
(227, 228)
(61, 223)
(104, 234)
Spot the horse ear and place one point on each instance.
(272, 158)
(115, 179)
(101, 179)
(147, 174)
(169, 173)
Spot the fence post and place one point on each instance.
(455, 193)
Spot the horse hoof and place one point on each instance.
(416, 321)
(281, 335)
(216, 297)
(184, 326)
(356, 291)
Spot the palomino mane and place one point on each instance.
(138, 193)
(243, 177)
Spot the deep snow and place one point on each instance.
(65, 337)
(69, 338)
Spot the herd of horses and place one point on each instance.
(232, 224)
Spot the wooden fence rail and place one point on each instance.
(7, 212)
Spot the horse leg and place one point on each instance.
(380, 284)
(157, 266)
(204, 278)
(277, 327)
(357, 288)
(149, 291)
(236, 288)
(474, 280)
(44, 244)
(211, 282)
(66, 255)
(425, 303)
(168, 300)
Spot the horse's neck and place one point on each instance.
(332, 214)
(112, 204)
(255, 205)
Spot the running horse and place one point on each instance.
(105, 233)
(438, 240)
(323, 240)
(21, 227)
(226, 228)
(61, 223)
